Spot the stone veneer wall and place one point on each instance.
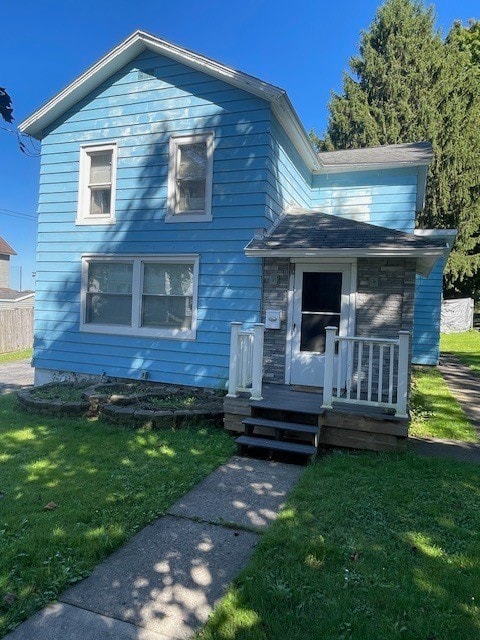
(385, 296)
(276, 272)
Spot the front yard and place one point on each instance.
(103, 484)
(369, 547)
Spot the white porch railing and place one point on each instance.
(368, 371)
(246, 360)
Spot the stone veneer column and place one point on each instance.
(385, 296)
(276, 273)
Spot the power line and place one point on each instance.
(17, 214)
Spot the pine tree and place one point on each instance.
(406, 85)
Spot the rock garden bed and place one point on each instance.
(131, 403)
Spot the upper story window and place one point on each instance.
(190, 173)
(96, 192)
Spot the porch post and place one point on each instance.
(328, 373)
(257, 361)
(402, 373)
(233, 369)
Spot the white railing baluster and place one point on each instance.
(349, 370)
(402, 373)
(380, 373)
(234, 359)
(257, 360)
(390, 374)
(359, 370)
(370, 372)
(339, 370)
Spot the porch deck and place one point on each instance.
(352, 426)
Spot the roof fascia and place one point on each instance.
(412, 252)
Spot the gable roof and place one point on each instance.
(130, 48)
(12, 295)
(305, 233)
(6, 249)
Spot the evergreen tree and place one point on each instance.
(408, 85)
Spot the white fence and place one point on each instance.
(246, 360)
(457, 315)
(367, 371)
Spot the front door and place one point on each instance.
(321, 298)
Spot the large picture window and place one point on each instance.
(190, 178)
(96, 191)
(155, 296)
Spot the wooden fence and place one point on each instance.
(16, 329)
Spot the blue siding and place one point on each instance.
(386, 198)
(428, 302)
(140, 111)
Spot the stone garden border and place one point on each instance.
(130, 409)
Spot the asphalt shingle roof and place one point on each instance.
(6, 249)
(410, 153)
(304, 229)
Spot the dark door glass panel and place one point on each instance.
(313, 335)
(322, 292)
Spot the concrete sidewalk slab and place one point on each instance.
(64, 622)
(168, 578)
(15, 376)
(243, 491)
(442, 448)
(464, 385)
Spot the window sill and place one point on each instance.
(159, 334)
(188, 217)
(91, 221)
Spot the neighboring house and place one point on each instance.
(11, 298)
(178, 195)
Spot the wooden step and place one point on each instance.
(277, 445)
(288, 406)
(281, 426)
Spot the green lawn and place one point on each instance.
(466, 346)
(435, 412)
(369, 547)
(107, 483)
(13, 356)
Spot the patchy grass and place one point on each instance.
(368, 547)
(61, 391)
(13, 356)
(466, 346)
(107, 483)
(435, 412)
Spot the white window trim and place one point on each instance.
(171, 214)
(137, 287)
(83, 212)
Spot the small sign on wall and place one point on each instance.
(272, 318)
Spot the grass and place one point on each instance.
(368, 547)
(466, 346)
(107, 483)
(13, 356)
(435, 412)
(61, 391)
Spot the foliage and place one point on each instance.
(13, 356)
(467, 38)
(368, 547)
(106, 482)
(407, 84)
(6, 110)
(435, 412)
(465, 346)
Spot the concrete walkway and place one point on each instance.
(163, 584)
(15, 376)
(465, 387)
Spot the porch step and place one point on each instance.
(276, 445)
(279, 425)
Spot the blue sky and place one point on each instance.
(302, 46)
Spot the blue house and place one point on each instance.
(178, 195)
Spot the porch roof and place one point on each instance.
(310, 233)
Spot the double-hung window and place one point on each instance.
(96, 193)
(151, 296)
(190, 174)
